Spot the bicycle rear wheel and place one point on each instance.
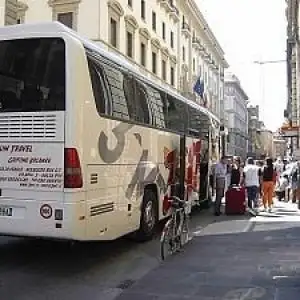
(167, 242)
(185, 231)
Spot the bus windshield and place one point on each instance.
(32, 75)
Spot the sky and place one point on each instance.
(248, 31)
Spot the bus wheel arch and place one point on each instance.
(149, 213)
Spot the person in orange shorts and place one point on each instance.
(268, 184)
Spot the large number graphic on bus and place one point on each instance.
(112, 155)
(171, 163)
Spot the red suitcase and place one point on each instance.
(235, 200)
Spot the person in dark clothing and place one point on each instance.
(236, 171)
(268, 183)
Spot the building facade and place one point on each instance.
(254, 128)
(235, 107)
(292, 113)
(169, 41)
(280, 147)
(266, 138)
(8, 12)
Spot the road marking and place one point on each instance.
(246, 294)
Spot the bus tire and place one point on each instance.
(149, 216)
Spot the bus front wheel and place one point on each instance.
(149, 216)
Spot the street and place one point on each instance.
(228, 258)
(36, 269)
(226, 263)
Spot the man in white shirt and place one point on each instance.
(251, 178)
(220, 181)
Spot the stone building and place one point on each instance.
(235, 106)
(169, 40)
(254, 129)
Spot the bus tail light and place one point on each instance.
(73, 175)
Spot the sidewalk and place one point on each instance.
(227, 261)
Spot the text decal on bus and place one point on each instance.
(31, 166)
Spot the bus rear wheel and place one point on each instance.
(149, 216)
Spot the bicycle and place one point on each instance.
(176, 231)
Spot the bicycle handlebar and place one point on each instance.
(177, 199)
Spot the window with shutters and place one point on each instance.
(66, 19)
(143, 10)
(113, 32)
(164, 70)
(129, 44)
(172, 76)
(143, 54)
(154, 62)
(65, 12)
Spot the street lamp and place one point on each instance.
(261, 63)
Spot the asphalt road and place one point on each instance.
(229, 258)
(38, 270)
(227, 263)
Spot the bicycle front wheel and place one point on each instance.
(167, 240)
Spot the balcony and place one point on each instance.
(186, 30)
(167, 5)
(174, 14)
(196, 43)
(207, 56)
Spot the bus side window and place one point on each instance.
(176, 114)
(156, 107)
(141, 100)
(198, 123)
(115, 86)
(194, 122)
(136, 98)
(99, 87)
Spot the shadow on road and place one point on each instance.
(262, 265)
(40, 269)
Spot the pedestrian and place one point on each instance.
(251, 179)
(282, 186)
(298, 185)
(228, 176)
(220, 181)
(261, 166)
(295, 182)
(268, 183)
(236, 171)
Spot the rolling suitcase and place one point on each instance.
(235, 200)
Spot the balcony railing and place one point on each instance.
(186, 26)
(174, 13)
(196, 40)
(168, 5)
(196, 43)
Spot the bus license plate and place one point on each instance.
(5, 211)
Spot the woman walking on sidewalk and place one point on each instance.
(268, 184)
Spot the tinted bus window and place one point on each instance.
(176, 115)
(136, 97)
(32, 75)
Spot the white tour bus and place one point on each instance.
(88, 145)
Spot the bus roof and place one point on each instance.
(53, 27)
